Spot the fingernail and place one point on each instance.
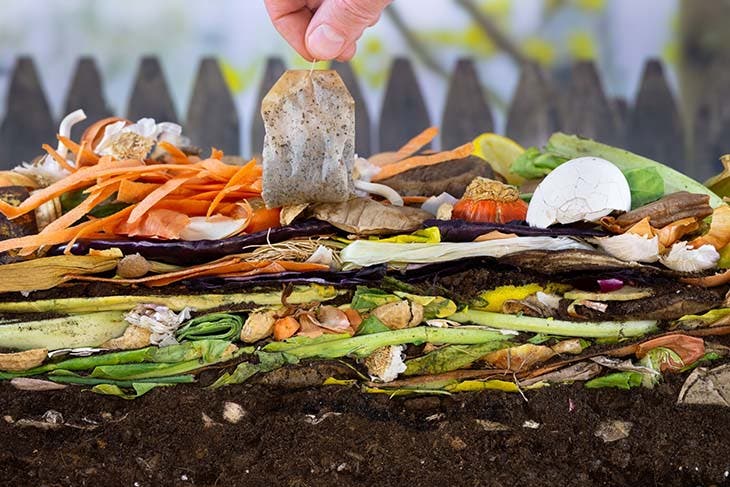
(325, 42)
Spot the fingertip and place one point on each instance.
(348, 53)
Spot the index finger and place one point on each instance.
(291, 18)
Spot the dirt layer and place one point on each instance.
(339, 436)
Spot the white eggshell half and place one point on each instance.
(582, 189)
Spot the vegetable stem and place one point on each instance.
(550, 326)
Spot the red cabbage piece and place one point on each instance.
(608, 285)
(193, 252)
(463, 231)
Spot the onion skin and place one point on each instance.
(489, 211)
(94, 132)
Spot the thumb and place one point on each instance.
(337, 24)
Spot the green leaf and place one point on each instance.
(620, 380)
(140, 389)
(533, 164)
(483, 385)
(366, 298)
(433, 306)
(246, 370)
(371, 325)
(214, 326)
(425, 235)
(646, 185)
(452, 357)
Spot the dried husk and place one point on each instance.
(400, 314)
(258, 325)
(134, 337)
(49, 272)
(19, 361)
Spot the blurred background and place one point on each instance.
(688, 36)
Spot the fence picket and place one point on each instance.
(586, 110)
(712, 124)
(150, 96)
(363, 138)
(86, 92)
(28, 122)
(533, 114)
(211, 95)
(655, 127)
(466, 113)
(404, 112)
(275, 67)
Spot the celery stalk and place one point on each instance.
(550, 326)
(199, 302)
(362, 346)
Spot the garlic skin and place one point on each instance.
(631, 247)
(145, 127)
(684, 258)
(386, 363)
(582, 189)
(160, 320)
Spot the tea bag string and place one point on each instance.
(311, 68)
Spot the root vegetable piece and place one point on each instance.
(285, 328)
(309, 117)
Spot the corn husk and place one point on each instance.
(49, 272)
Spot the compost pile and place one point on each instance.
(133, 261)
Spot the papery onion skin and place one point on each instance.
(683, 258)
(631, 247)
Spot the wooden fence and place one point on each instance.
(651, 125)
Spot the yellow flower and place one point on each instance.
(581, 46)
(539, 50)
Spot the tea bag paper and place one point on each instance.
(309, 117)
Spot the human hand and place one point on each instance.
(324, 29)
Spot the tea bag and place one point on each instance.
(309, 117)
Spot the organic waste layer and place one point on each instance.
(339, 436)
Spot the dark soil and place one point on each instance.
(339, 436)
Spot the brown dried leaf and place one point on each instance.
(363, 216)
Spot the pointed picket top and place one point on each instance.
(86, 93)
(275, 67)
(404, 112)
(586, 110)
(466, 113)
(533, 113)
(363, 137)
(211, 96)
(150, 96)
(711, 130)
(28, 122)
(655, 127)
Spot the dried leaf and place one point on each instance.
(363, 216)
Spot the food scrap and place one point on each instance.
(426, 271)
